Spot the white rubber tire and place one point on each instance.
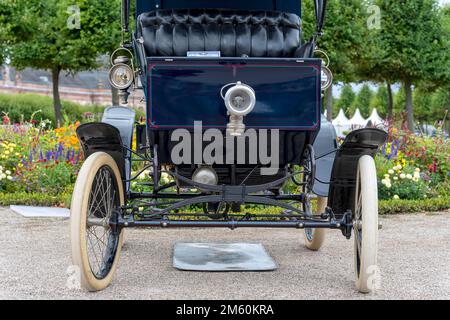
(366, 194)
(78, 220)
(317, 239)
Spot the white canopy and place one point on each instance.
(375, 119)
(341, 124)
(358, 120)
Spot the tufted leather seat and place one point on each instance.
(174, 32)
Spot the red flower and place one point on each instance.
(6, 120)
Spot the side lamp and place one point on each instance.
(121, 75)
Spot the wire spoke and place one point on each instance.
(102, 244)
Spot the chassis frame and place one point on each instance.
(161, 209)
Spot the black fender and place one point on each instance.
(358, 143)
(102, 137)
(111, 136)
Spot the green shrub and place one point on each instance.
(385, 206)
(21, 107)
(414, 206)
(35, 199)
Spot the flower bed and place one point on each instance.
(39, 165)
(34, 158)
(414, 167)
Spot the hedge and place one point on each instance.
(20, 107)
(34, 199)
(385, 206)
(414, 206)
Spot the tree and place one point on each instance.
(380, 101)
(363, 100)
(422, 104)
(346, 99)
(47, 35)
(441, 81)
(409, 44)
(343, 37)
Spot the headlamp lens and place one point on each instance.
(121, 76)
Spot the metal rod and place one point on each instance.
(143, 195)
(233, 224)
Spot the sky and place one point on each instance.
(444, 2)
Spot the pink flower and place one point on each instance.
(6, 120)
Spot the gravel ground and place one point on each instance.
(414, 261)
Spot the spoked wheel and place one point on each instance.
(96, 241)
(365, 225)
(314, 238)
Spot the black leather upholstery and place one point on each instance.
(232, 32)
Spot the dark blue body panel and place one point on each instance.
(181, 91)
(292, 6)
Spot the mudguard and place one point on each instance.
(358, 143)
(324, 145)
(110, 136)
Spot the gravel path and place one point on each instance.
(414, 261)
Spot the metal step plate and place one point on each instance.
(222, 257)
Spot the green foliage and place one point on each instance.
(35, 199)
(363, 101)
(385, 207)
(410, 40)
(343, 37)
(431, 105)
(413, 206)
(408, 48)
(39, 35)
(22, 107)
(380, 101)
(346, 100)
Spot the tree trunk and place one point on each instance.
(330, 103)
(390, 106)
(56, 97)
(409, 105)
(115, 96)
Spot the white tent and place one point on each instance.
(341, 123)
(375, 119)
(358, 121)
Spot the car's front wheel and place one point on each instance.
(95, 239)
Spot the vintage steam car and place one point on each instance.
(234, 97)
